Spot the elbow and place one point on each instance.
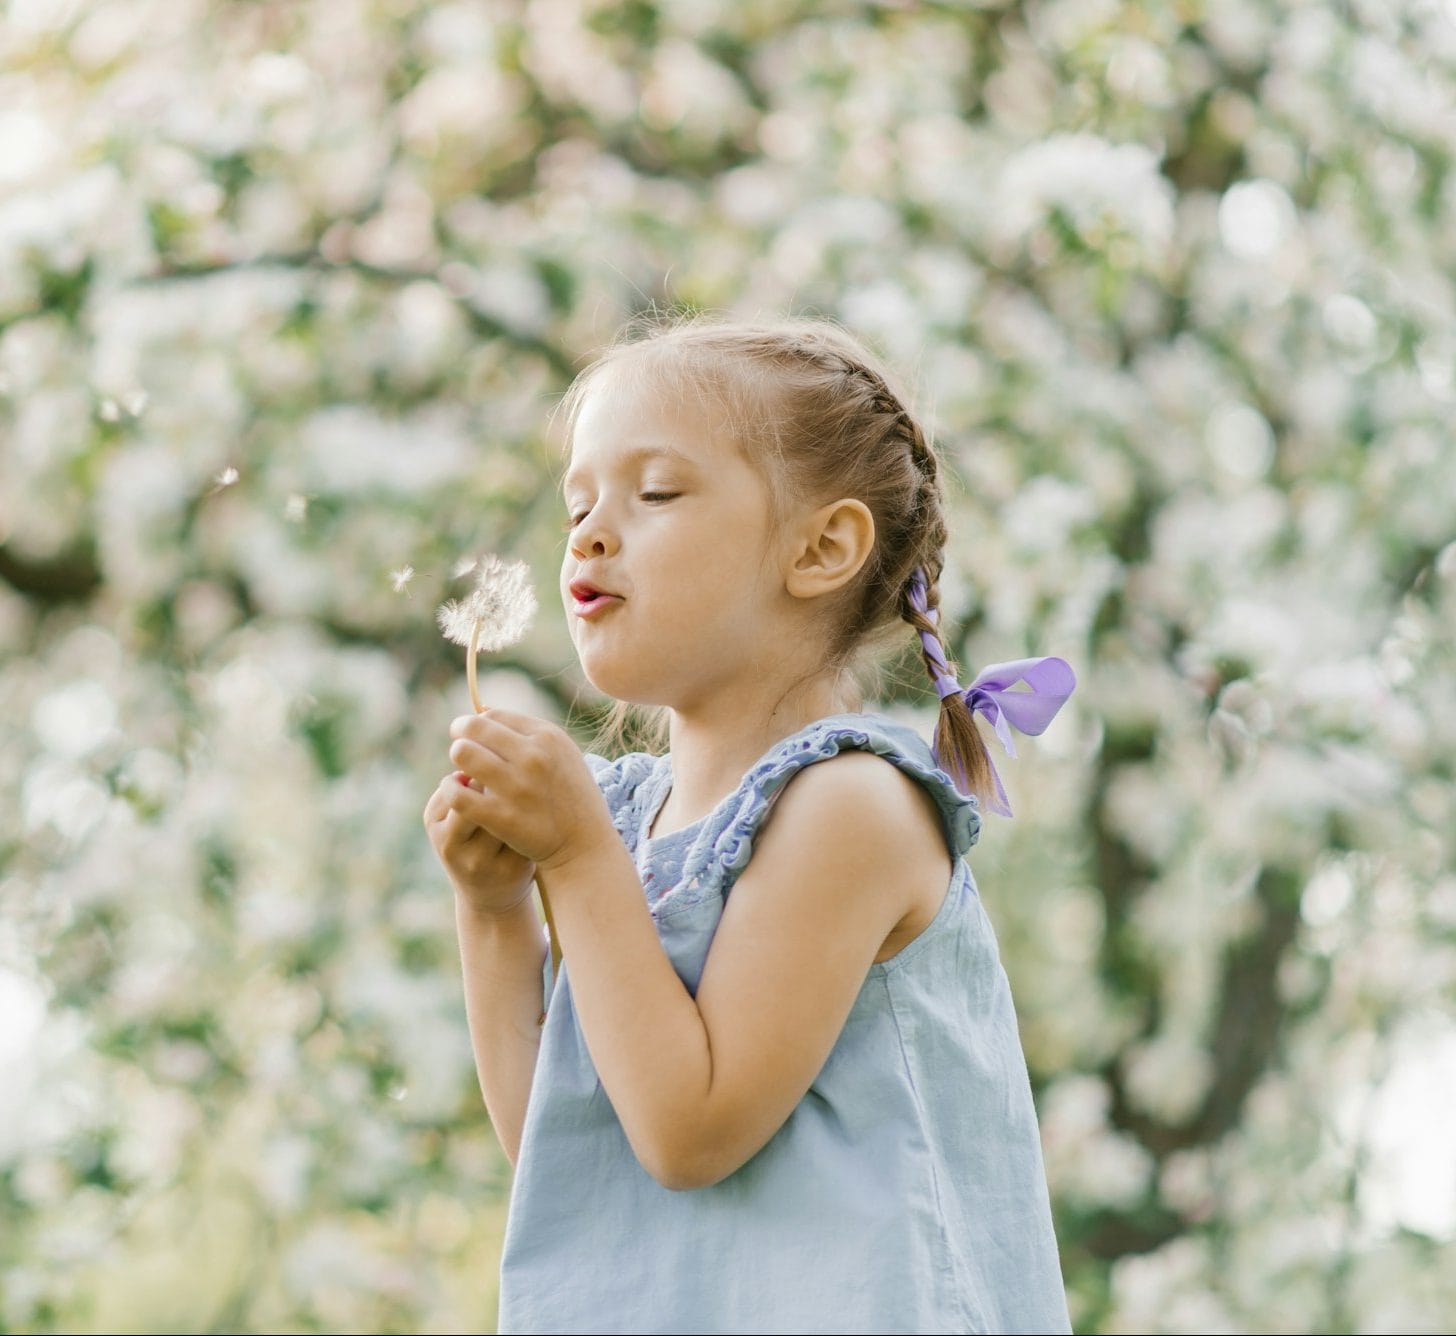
(675, 1180)
(684, 1163)
(686, 1177)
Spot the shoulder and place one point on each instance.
(852, 848)
(878, 767)
(860, 803)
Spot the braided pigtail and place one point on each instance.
(958, 745)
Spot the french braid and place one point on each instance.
(958, 743)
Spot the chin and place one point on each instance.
(629, 694)
(618, 683)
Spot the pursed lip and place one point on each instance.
(588, 599)
(582, 590)
(589, 607)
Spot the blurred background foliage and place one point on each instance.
(287, 295)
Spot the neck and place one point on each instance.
(715, 741)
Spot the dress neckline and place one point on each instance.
(661, 801)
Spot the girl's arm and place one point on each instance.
(501, 949)
(854, 849)
(501, 958)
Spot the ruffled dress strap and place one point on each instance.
(722, 847)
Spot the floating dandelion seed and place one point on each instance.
(493, 615)
(295, 508)
(226, 478)
(401, 578)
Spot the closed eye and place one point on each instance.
(655, 497)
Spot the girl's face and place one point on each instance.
(668, 516)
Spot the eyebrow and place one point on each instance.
(642, 452)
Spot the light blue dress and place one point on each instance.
(906, 1191)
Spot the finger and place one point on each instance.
(457, 829)
(477, 762)
(437, 806)
(438, 803)
(469, 813)
(492, 720)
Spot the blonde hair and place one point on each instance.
(821, 417)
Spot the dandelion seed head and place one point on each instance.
(502, 602)
(455, 621)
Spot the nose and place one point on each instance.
(592, 537)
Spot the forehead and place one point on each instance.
(621, 426)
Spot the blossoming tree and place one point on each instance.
(287, 294)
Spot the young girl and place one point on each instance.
(778, 1084)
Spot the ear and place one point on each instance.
(833, 543)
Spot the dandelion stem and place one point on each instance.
(475, 700)
(470, 665)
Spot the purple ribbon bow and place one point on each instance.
(1050, 681)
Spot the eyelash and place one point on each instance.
(574, 520)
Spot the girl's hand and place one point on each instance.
(537, 795)
(486, 874)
